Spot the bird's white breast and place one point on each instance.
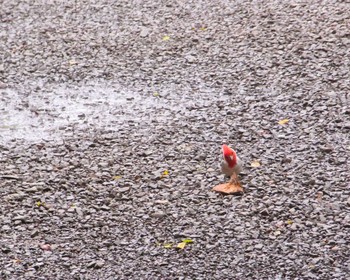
(228, 171)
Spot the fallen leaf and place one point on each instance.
(181, 245)
(39, 203)
(164, 174)
(289, 222)
(277, 232)
(156, 94)
(166, 38)
(228, 189)
(117, 177)
(187, 240)
(232, 187)
(284, 121)
(168, 245)
(255, 163)
(203, 28)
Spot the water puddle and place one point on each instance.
(52, 115)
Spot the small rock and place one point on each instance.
(286, 160)
(293, 227)
(79, 211)
(32, 189)
(123, 189)
(180, 235)
(91, 264)
(326, 149)
(34, 233)
(190, 58)
(158, 214)
(264, 212)
(161, 201)
(341, 161)
(105, 208)
(144, 32)
(46, 247)
(20, 218)
(13, 177)
(38, 264)
(99, 263)
(5, 250)
(311, 182)
(5, 228)
(96, 264)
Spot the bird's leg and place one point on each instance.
(234, 178)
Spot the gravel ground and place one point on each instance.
(112, 117)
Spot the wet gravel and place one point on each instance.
(112, 117)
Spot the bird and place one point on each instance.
(230, 163)
(231, 166)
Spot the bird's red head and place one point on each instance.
(229, 156)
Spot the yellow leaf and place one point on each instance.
(187, 241)
(255, 163)
(168, 245)
(202, 28)
(289, 222)
(117, 177)
(166, 38)
(284, 121)
(39, 203)
(156, 94)
(181, 245)
(164, 174)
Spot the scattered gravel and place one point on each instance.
(112, 117)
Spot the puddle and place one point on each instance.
(52, 115)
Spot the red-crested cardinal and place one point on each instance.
(231, 163)
(231, 166)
